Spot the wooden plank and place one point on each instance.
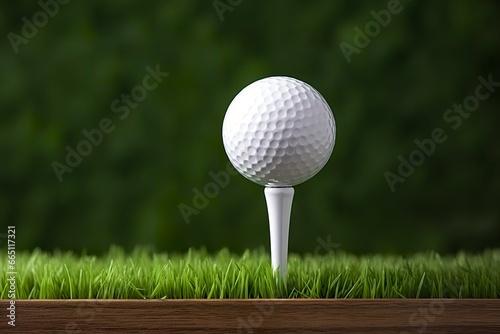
(255, 316)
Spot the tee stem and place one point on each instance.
(279, 208)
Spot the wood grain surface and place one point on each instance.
(254, 316)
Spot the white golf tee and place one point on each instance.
(279, 208)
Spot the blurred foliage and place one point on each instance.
(128, 190)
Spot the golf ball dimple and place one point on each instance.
(278, 132)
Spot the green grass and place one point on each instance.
(144, 274)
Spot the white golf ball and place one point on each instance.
(278, 132)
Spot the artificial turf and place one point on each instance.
(196, 274)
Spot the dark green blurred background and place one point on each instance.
(128, 190)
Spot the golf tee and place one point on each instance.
(279, 208)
